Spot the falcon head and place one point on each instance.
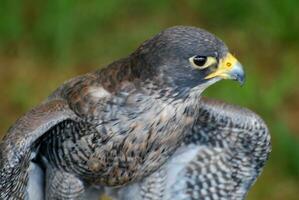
(188, 57)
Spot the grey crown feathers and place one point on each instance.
(139, 129)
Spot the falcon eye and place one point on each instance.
(199, 60)
(202, 62)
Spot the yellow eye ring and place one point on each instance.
(204, 61)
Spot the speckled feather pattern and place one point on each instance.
(117, 146)
(125, 126)
(220, 158)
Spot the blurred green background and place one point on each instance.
(45, 42)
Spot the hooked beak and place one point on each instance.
(229, 68)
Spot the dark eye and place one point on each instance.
(200, 60)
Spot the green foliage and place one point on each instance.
(11, 25)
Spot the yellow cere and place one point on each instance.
(224, 67)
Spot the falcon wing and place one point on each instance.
(73, 100)
(18, 145)
(219, 159)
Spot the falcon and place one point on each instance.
(139, 129)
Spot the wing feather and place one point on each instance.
(17, 146)
(220, 158)
(233, 145)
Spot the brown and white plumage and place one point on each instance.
(220, 158)
(124, 124)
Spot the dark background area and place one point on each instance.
(45, 42)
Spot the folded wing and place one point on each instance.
(19, 145)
